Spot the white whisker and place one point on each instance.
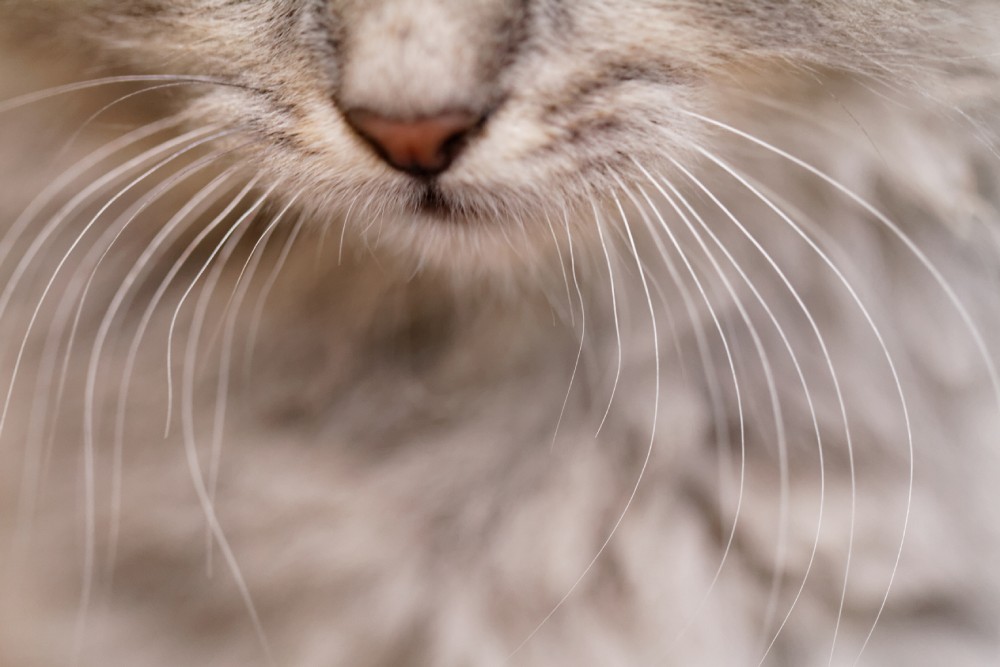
(88, 457)
(229, 313)
(253, 329)
(110, 105)
(899, 390)
(247, 215)
(80, 284)
(583, 328)
(765, 365)
(13, 233)
(32, 98)
(614, 308)
(649, 449)
(154, 301)
(188, 214)
(897, 231)
(343, 229)
(726, 347)
(562, 268)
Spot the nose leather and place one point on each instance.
(422, 146)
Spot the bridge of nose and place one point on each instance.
(402, 63)
(417, 58)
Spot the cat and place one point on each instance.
(488, 332)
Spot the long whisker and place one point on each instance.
(712, 384)
(583, 328)
(802, 380)
(89, 492)
(154, 301)
(13, 233)
(230, 312)
(217, 264)
(649, 449)
(188, 214)
(30, 254)
(191, 454)
(253, 330)
(725, 344)
(949, 291)
(80, 288)
(782, 437)
(562, 268)
(761, 353)
(720, 422)
(614, 308)
(173, 320)
(32, 463)
(110, 105)
(343, 229)
(38, 96)
(892, 368)
(189, 437)
(117, 229)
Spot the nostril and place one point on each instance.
(423, 146)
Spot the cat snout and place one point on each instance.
(420, 146)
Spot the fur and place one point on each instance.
(383, 392)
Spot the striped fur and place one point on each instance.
(530, 412)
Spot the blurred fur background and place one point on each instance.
(687, 359)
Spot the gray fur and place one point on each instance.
(392, 483)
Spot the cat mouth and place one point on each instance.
(430, 201)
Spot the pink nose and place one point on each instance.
(423, 147)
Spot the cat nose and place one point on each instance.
(423, 146)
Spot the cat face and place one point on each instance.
(436, 122)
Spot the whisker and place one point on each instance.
(191, 453)
(80, 288)
(89, 492)
(110, 105)
(154, 301)
(761, 353)
(196, 475)
(13, 233)
(188, 214)
(38, 96)
(895, 229)
(725, 344)
(583, 329)
(32, 464)
(230, 312)
(258, 312)
(892, 368)
(216, 264)
(343, 229)
(614, 308)
(819, 442)
(117, 229)
(717, 404)
(254, 208)
(562, 268)
(652, 438)
(56, 222)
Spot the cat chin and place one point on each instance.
(470, 250)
